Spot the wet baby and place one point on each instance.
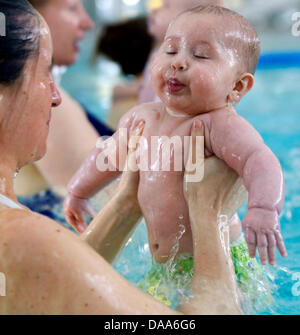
(203, 68)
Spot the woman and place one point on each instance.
(72, 134)
(49, 270)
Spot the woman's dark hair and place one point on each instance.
(21, 38)
(128, 44)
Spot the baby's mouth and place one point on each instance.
(174, 85)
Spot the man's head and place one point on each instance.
(206, 61)
(160, 18)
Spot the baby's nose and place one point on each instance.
(179, 64)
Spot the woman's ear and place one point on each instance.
(242, 86)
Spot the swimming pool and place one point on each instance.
(272, 107)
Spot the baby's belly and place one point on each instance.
(166, 213)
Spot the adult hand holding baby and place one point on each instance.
(113, 225)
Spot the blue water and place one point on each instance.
(272, 107)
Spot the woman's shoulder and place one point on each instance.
(18, 226)
(39, 256)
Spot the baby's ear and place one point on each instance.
(242, 86)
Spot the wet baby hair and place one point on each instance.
(246, 41)
(21, 40)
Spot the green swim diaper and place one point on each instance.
(169, 282)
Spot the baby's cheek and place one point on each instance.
(156, 75)
(203, 82)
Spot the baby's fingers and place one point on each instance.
(271, 248)
(280, 244)
(262, 246)
(76, 221)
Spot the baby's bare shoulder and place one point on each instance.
(140, 112)
(149, 107)
(228, 119)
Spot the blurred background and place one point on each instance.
(91, 82)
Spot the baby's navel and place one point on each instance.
(155, 246)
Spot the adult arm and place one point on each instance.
(212, 202)
(113, 225)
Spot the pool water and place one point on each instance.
(272, 107)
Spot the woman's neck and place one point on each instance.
(7, 173)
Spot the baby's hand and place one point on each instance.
(262, 230)
(74, 208)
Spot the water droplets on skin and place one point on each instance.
(223, 226)
(176, 114)
(16, 173)
(172, 285)
(236, 156)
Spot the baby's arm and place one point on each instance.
(235, 141)
(96, 171)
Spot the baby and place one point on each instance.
(203, 68)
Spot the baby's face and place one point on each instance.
(194, 71)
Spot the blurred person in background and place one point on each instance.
(73, 131)
(128, 44)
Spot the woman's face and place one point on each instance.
(37, 94)
(68, 22)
